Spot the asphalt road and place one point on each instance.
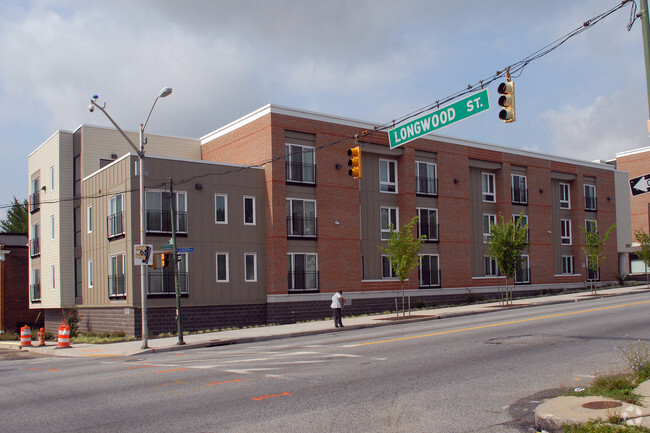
(469, 374)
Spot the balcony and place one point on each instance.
(522, 276)
(116, 286)
(591, 203)
(519, 196)
(34, 202)
(302, 281)
(426, 186)
(115, 225)
(161, 222)
(298, 172)
(302, 227)
(428, 230)
(162, 283)
(34, 247)
(430, 278)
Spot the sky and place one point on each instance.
(371, 60)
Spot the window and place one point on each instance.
(429, 271)
(35, 196)
(425, 178)
(565, 196)
(115, 219)
(389, 220)
(35, 286)
(590, 197)
(488, 220)
(387, 270)
(159, 218)
(301, 218)
(519, 189)
(591, 274)
(565, 232)
(89, 217)
(221, 208)
(52, 178)
(116, 280)
(590, 226)
(567, 265)
(76, 223)
(249, 210)
(53, 275)
(90, 273)
(302, 272)
(387, 176)
(487, 187)
(52, 228)
(428, 224)
(522, 273)
(491, 269)
(522, 223)
(162, 281)
(300, 163)
(250, 267)
(35, 241)
(223, 274)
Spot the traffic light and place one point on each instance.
(165, 259)
(354, 162)
(507, 101)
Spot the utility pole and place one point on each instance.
(175, 263)
(645, 25)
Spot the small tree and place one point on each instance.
(17, 218)
(402, 251)
(594, 247)
(507, 240)
(644, 241)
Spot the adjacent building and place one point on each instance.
(276, 225)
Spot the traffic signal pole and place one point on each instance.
(645, 25)
(175, 264)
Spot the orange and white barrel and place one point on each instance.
(25, 336)
(64, 336)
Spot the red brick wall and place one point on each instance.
(15, 287)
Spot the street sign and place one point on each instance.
(185, 250)
(142, 255)
(459, 110)
(166, 247)
(640, 185)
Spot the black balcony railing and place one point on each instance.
(591, 203)
(428, 230)
(35, 247)
(593, 275)
(300, 172)
(522, 276)
(161, 221)
(115, 225)
(161, 282)
(303, 281)
(302, 227)
(426, 185)
(116, 286)
(35, 292)
(430, 278)
(519, 196)
(34, 202)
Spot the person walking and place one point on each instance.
(338, 302)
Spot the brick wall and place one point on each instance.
(15, 286)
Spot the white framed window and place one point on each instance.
(428, 224)
(565, 196)
(522, 273)
(591, 226)
(52, 228)
(425, 178)
(302, 271)
(301, 218)
(89, 218)
(387, 270)
(429, 270)
(487, 187)
(490, 266)
(389, 218)
(522, 223)
(53, 275)
(250, 267)
(591, 274)
(565, 232)
(300, 163)
(249, 210)
(35, 286)
(115, 219)
(590, 197)
(567, 265)
(519, 189)
(221, 208)
(52, 178)
(488, 220)
(223, 271)
(159, 211)
(116, 276)
(90, 274)
(387, 175)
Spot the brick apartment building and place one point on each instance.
(277, 225)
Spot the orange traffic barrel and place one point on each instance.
(41, 337)
(64, 336)
(25, 336)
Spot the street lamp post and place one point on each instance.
(166, 91)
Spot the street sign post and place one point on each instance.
(459, 110)
(640, 185)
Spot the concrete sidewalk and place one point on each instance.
(263, 333)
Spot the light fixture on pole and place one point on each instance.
(164, 92)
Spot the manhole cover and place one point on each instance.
(602, 404)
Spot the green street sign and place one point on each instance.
(459, 110)
(166, 247)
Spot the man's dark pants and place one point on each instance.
(337, 317)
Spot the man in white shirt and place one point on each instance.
(338, 302)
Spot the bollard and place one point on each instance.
(64, 336)
(25, 336)
(41, 337)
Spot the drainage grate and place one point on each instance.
(602, 404)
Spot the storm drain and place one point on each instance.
(602, 404)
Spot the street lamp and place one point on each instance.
(164, 92)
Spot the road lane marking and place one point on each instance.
(167, 371)
(511, 322)
(222, 382)
(270, 396)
